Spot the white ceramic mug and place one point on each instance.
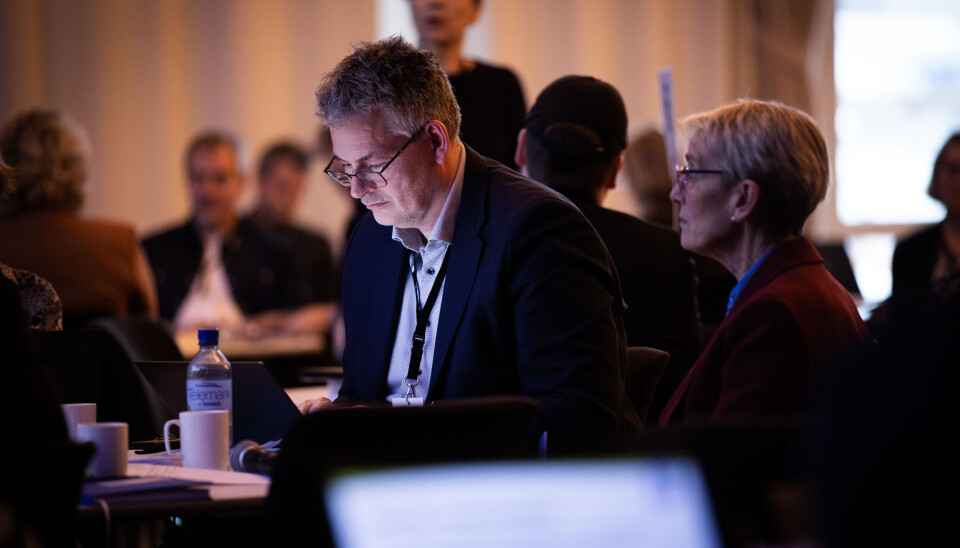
(110, 440)
(75, 413)
(204, 438)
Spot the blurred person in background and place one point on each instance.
(38, 493)
(755, 171)
(38, 298)
(648, 178)
(490, 97)
(216, 269)
(281, 177)
(924, 263)
(41, 482)
(573, 141)
(98, 268)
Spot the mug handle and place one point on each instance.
(166, 434)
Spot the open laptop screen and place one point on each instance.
(262, 411)
(569, 503)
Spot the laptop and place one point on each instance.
(628, 502)
(262, 411)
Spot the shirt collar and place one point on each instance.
(446, 223)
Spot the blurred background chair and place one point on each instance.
(89, 365)
(141, 338)
(644, 368)
(837, 263)
(502, 427)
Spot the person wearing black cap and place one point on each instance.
(465, 279)
(573, 140)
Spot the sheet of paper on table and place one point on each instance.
(152, 481)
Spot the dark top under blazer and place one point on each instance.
(262, 271)
(531, 305)
(914, 260)
(314, 257)
(492, 109)
(791, 319)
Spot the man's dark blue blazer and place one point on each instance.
(531, 305)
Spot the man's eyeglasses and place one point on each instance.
(684, 173)
(366, 178)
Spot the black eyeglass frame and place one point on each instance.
(343, 178)
(684, 171)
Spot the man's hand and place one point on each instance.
(311, 406)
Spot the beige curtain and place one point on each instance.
(144, 75)
(785, 53)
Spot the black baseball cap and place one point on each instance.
(580, 101)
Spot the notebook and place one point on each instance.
(649, 502)
(262, 411)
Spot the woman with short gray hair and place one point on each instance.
(755, 171)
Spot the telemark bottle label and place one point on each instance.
(203, 395)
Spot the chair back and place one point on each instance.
(88, 365)
(143, 339)
(644, 368)
(500, 427)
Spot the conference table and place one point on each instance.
(144, 518)
(160, 501)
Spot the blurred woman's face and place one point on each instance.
(705, 201)
(947, 178)
(443, 21)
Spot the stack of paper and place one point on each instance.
(155, 483)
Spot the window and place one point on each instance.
(897, 76)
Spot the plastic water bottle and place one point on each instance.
(209, 379)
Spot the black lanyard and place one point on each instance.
(423, 314)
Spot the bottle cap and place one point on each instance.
(208, 336)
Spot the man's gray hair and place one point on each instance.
(406, 83)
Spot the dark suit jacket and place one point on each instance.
(262, 271)
(656, 276)
(788, 323)
(531, 305)
(314, 255)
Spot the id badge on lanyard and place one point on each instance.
(419, 334)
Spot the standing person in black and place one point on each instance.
(490, 98)
(573, 141)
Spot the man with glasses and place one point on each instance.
(216, 269)
(467, 279)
